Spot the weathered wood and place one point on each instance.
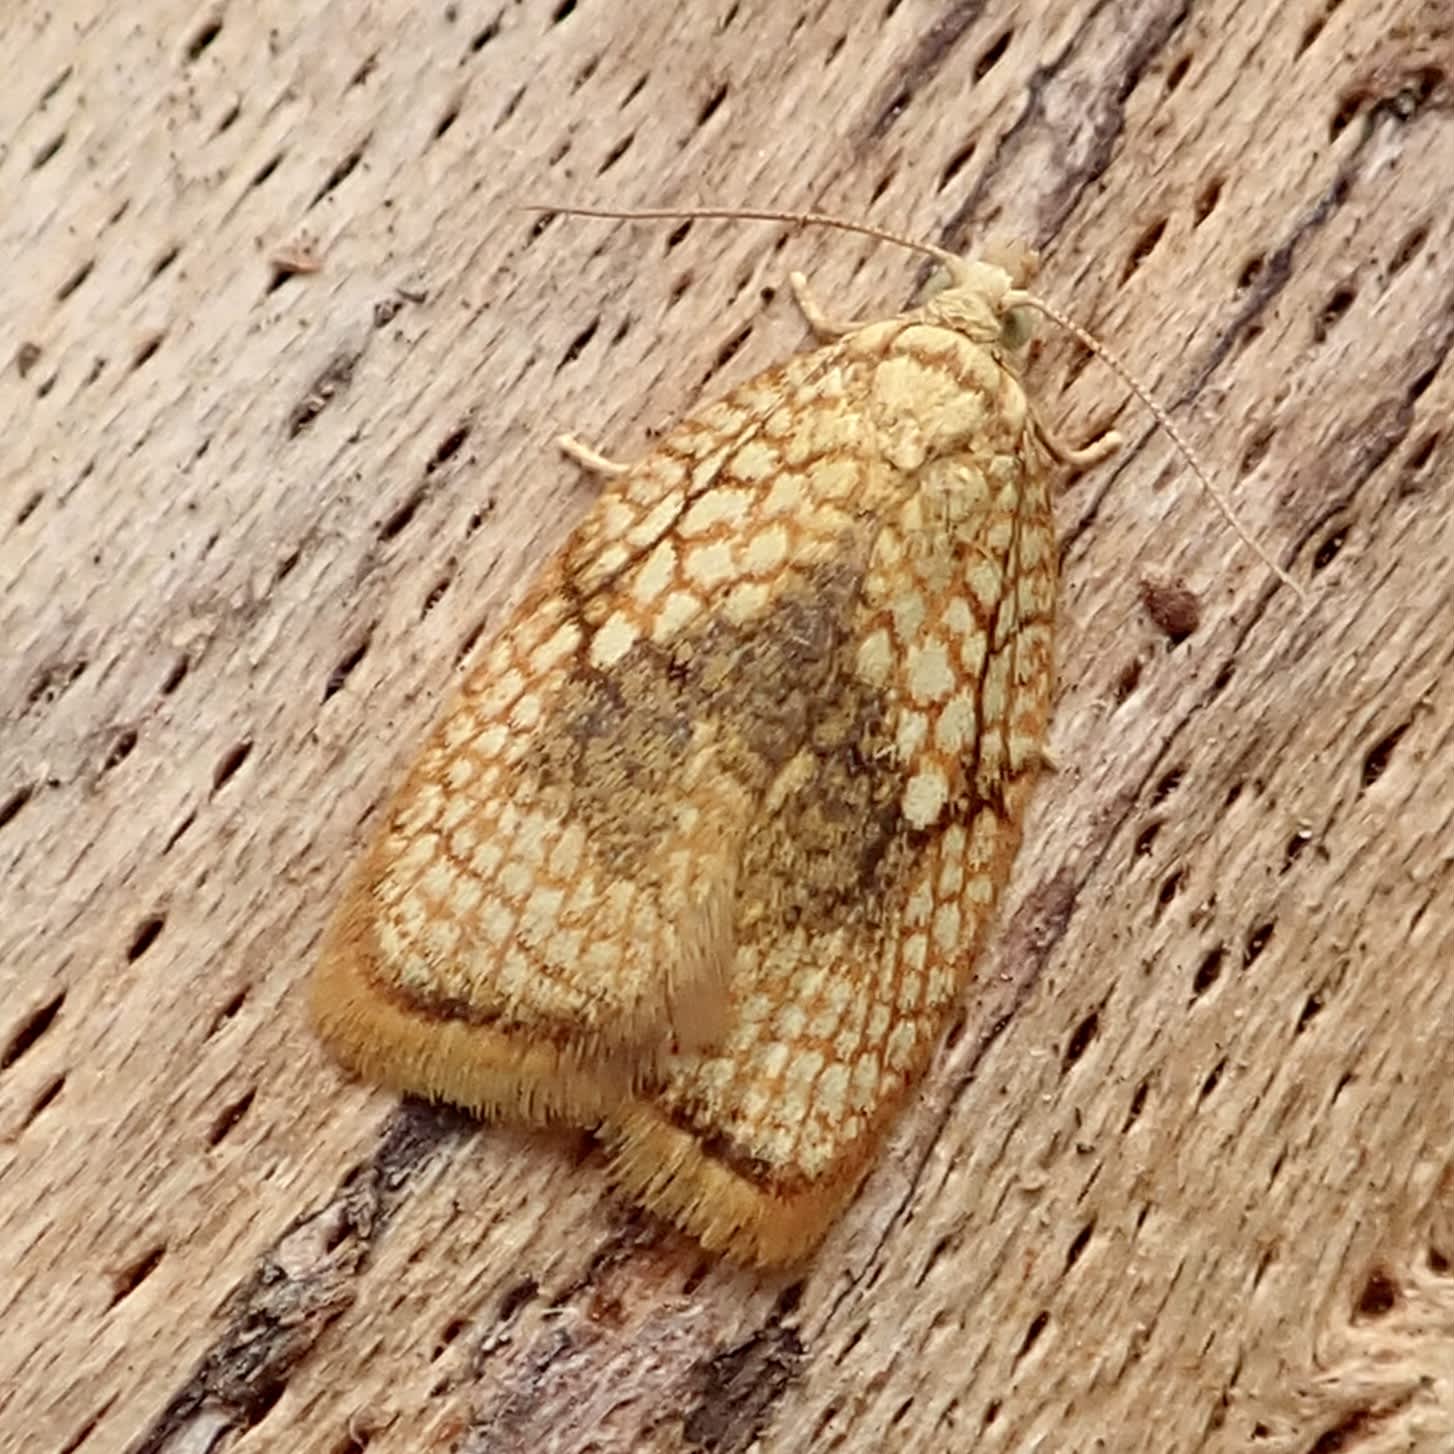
(1182, 1179)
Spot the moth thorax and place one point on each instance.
(953, 491)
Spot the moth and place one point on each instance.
(703, 852)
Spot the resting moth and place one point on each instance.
(702, 853)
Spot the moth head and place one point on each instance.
(978, 300)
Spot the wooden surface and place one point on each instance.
(1181, 1179)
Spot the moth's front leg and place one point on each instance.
(588, 458)
(823, 324)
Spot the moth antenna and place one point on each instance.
(1113, 362)
(941, 255)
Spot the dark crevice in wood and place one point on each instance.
(616, 153)
(1337, 305)
(401, 518)
(147, 350)
(1146, 244)
(1257, 941)
(131, 1277)
(711, 105)
(726, 353)
(175, 676)
(146, 935)
(991, 56)
(1207, 199)
(231, 761)
(1077, 1247)
(1361, 1426)
(347, 664)
(121, 748)
(1038, 1324)
(49, 94)
(46, 153)
(470, 639)
(1170, 887)
(1208, 972)
(177, 833)
(30, 1029)
(332, 380)
(1376, 761)
(516, 1297)
(957, 162)
(482, 37)
(1421, 453)
(202, 38)
(578, 344)
(1127, 680)
(342, 172)
(228, 1011)
(510, 107)
(1168, 784)
(1257, 448)
(163, 262)
(1312, 1008)
(87, 1429)
(1138, 1104)
(1080, 1040)
(435, 594)
(1408, 250)
(266, 170)
(75, 280)
(229, 1116)
(11, 806)
(1327, 552)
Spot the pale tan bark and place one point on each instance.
(1182, 1180)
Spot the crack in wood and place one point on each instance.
(272, 1320)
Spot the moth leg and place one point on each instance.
(588, 458)
(821, 323)
(1087, 456)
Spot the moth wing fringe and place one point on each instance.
(671, 1173)
(494, 1073)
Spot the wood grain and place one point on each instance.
(1181, 1181)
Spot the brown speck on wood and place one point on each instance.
(1173, 607)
